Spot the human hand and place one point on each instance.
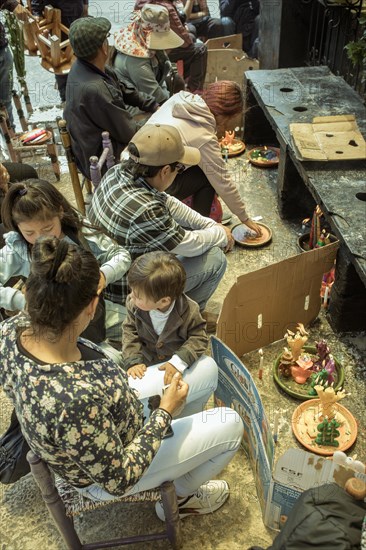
(137, 371)
(175, 395)
(22, 13)
(254, 227)
(230, 239)
(170, 371)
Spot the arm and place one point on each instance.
(11, 265)
(131, 343)
(100, 452)
(143, 76)
(197, 340)
(204, 233)
(131, 96)
(227, 8)
(106, 108)
(114, 260)
(216, 170)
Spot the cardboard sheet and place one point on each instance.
(329, 138)
(263, 304)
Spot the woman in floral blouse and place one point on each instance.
(76, 409)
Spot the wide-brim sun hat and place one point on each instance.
(149, 30)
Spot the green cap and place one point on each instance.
(87, 35)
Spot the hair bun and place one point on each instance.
(55, 260)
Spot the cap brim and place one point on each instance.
(164, 40)
(191, 156)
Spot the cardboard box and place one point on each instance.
(329, 138)
(262, 305)
(296, 470)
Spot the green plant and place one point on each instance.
(356, 50)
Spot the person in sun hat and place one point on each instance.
(96, 99)
(193, 55)
(139, 51)
(131, 205)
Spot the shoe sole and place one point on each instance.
(196, 511)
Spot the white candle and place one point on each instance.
(275, 423)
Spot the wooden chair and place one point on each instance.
(64, 502)
(106, 157)
(73, 170)
(45, 36)
(17, 150)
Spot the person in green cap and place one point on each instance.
(96, 99)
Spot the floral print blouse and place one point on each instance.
(80, 417)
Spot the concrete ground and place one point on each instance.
(24, 520)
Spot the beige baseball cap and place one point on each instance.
(160, 144)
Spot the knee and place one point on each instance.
(228, 25)
(210, 369)
(226, 421)
(218, 259)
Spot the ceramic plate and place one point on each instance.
(306, 418)
(240, 234)
(239, 147)
(261, 160)
(300, 391)
(37, 140)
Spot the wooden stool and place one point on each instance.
(56, 55)
(64, 502)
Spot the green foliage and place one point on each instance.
(356, 50)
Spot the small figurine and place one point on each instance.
(296, 341)
(328, 398)
(318, 378)
(327, 432)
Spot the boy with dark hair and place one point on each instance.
(164, 332)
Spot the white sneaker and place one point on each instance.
(207, 499)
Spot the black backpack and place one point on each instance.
(325, 518)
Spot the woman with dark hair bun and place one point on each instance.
(36, 208)
(77, 411)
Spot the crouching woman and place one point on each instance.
(76, 409)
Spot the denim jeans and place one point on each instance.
(201, 378)
(6, 81)
(202, 445)
(204, 273)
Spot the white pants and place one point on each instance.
(201, 378)
(202, 445)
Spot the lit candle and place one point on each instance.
(261, 359)
(275, 427)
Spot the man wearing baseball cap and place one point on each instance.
(131, 205)
(96, 100)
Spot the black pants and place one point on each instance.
(194, 182)
(195, 64)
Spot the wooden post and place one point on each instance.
(20, 112)
(66, 142)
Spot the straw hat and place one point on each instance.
(149, 30)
